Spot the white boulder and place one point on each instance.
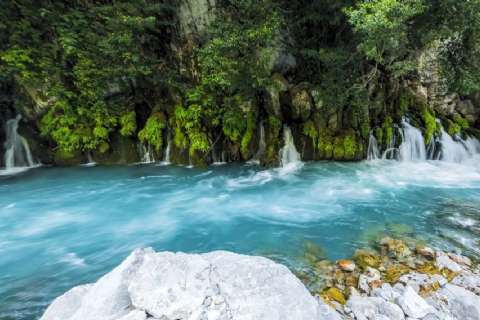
(412, 304)
(217, 285)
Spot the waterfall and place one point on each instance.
(412, 149)
(190, 162)
(146, 153)
(17, 152)
(288, 154)
(212, 148)
(224, 158)
(166, 159)
(262, 145)
(372, 153)
(90, 161)
(456, 151)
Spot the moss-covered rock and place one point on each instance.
(396, 248)
(301, 103)
(333, 294)
(366, 259)
(395, 271)
(119, 150)
(69, 158)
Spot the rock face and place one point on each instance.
(217, 285)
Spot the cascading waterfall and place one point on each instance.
(146, 153)
(457, 150)
(262, 145)
(372, 153)
(17, 150)
(90, 161)
(224, 158)
(413, 149)
(288, 154)
(166, 159)
(212, 148)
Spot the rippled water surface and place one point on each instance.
(61, 227)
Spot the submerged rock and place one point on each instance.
(217, 285)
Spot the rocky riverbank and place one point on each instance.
(396, 282)
(402, 282)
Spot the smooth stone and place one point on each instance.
(412, 304)
(365, 307)
(379, 317)
(444, 262)
(135, 315)
(463, 303)
(441, 279)
(468, 281)
(107, 299)
(419, 281)
(167, 286)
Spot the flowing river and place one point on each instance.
(61, 227)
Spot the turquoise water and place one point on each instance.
(61, 227)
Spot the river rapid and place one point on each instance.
(61, 227)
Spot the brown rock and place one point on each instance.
(347, 265)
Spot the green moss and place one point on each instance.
(247, 136)
(451, 127)
(404, 102)
(387, 129)
(365, 130)
(333, 294)
(129, 124)
(274, 127)
(275, 122)
(430, 125)
(350, 145)
(463, 123)
(395, 271)
(325, 142)
(338, 151)
(367, 259)
(310, 129)
(379, 134)
(179, 138)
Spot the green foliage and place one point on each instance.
(383, 28)
(389, 30)
(153, 130)
(456, 41)
(80, 49)
(129, 124)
